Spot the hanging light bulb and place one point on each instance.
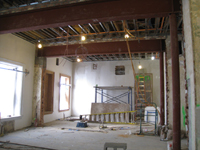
(126, 36)
(152, 58)
(78, 59)
(83, 38)
(139, 66)
(39, 45)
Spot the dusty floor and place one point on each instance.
(63, 135)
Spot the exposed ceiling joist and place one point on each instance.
(86, 12)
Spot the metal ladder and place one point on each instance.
(141, 95)
(126, 117)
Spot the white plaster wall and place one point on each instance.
(65, 68)
(19, 50)
(85, 78)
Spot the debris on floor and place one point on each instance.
(62, 135)
(124, 135)
(73, 129)
(81, 124)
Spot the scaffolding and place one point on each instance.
(116, 99)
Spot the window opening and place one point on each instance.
(11, 76)
(48, 92)
(64, 101)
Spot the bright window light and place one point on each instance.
(10, 89)
(64, 103)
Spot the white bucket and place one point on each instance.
(169, 145)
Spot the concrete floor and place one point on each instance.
(63, 135)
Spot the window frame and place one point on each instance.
(52, 101)
(22, 88)
(69, 92)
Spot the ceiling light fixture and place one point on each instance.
(83, 38)
(78, 59)
(39, 45)
(139, 66)
(126, 36)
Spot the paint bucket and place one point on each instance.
(169, 145)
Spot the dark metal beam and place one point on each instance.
(119, 47)
(161, 89)
(175, 82)
(83, 13)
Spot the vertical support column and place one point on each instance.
(42, 97)
(161, 89)
(128, 95)
(102, 96)
(131, 99)
(175, 82)
(95, 94)
(38, 89)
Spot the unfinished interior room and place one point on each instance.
(100, 74)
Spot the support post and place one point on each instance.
(129, 96)
(131, 100)
(175, 82)
(102, 96)
(95, 94)
(161, 90)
